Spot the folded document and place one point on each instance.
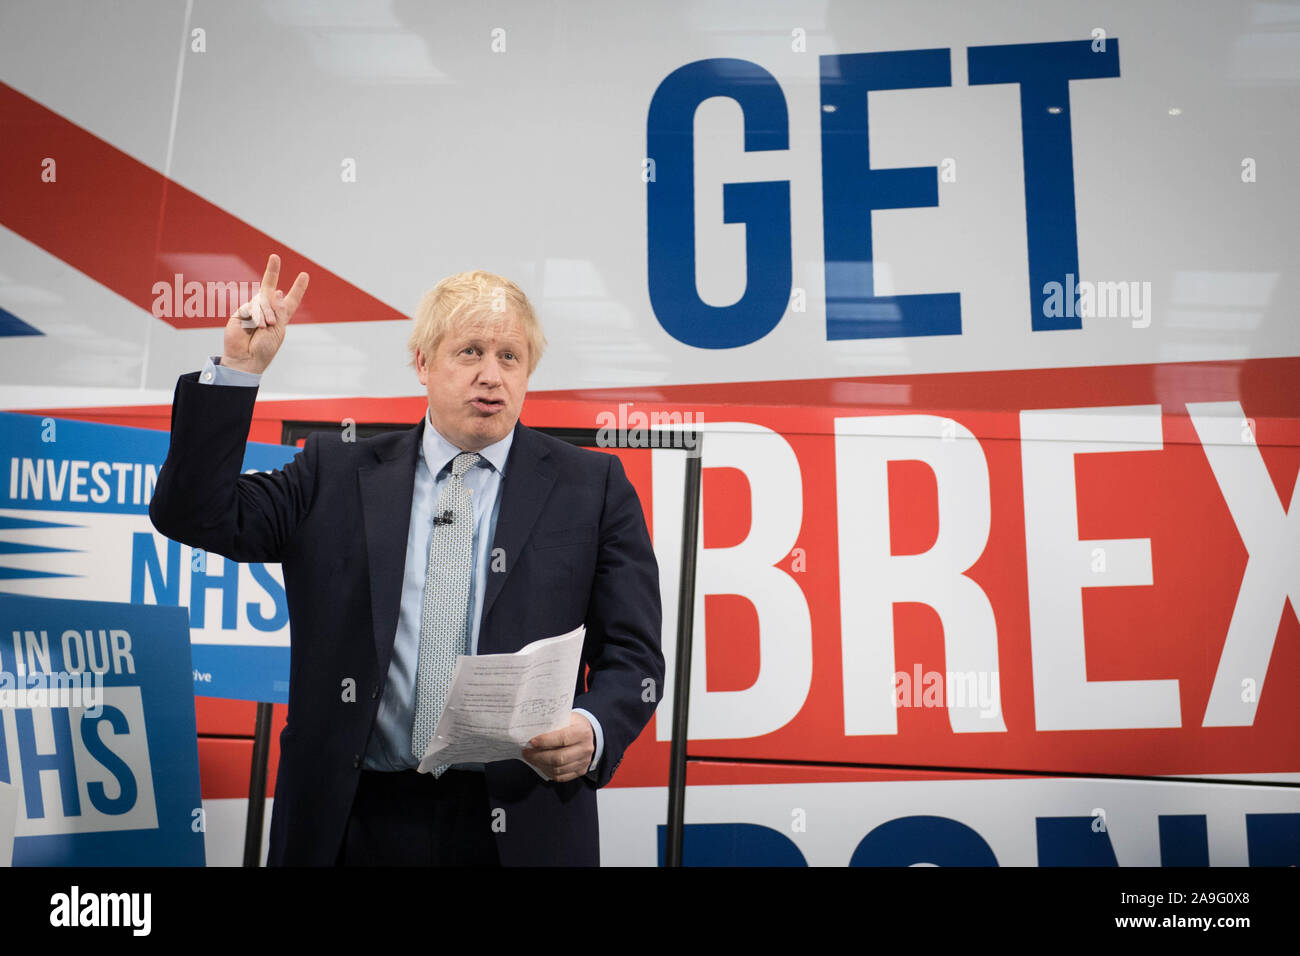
(499, 702)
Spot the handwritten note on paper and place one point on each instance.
(499, 702)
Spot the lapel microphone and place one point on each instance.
(444, 518)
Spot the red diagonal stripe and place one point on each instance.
(127, 226)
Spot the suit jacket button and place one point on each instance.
(356, 760)
(374, 693)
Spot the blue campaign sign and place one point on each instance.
(74, 523)
(97, 733)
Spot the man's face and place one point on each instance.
(477, 381)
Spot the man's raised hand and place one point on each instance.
(250, 348)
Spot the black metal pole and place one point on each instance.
(257, 787)
(682, 669)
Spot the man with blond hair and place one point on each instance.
(467, 533)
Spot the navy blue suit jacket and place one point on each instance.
(576, 550)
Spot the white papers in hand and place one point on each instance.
(499, 702)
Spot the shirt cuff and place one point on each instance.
(600, 736)
(214, 373)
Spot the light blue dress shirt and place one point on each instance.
(390, 742)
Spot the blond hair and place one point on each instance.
(468, 297)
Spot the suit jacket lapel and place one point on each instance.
(527, 483)
(385, 487)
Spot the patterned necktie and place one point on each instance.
(444, 618)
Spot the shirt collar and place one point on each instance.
(439, 452)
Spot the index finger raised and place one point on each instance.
(271, 276)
